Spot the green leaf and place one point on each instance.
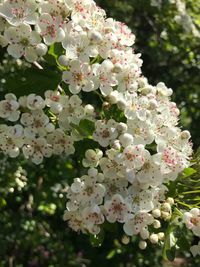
(87, 127)
(23, 82)
(188, 172)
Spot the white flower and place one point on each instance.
(79, 47)
(75, 220)
(11, 140)
(58, 10)
(19, 11)
(33, 102)
(92, 217)
(22, 41)
(170, 160)
(36, 149)
(117, 209)
(49, 29)
(9, 108)
(37, 123)
(72, 112)
(61, 142)
(140, 200)
(139, 222)
(80, 77)
(92, 158)
(134, 156)
(106, 76)
(192, 220)
(105, 132)
(88, 190)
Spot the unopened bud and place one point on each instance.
(156, 224)
(166, 207)
(153, 238)
(161, 236)
(142, 245)
(156, 213)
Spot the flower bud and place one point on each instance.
(142, 245)
(165, 215)
(116, 145)
(41, 49)
(126, 139)
(170, 200)
(106, 105)
(153, 238)
(89, 109)
(156, 224)
(121, 104)
(144, 233)
(166, 207)
(63, 60)
(125, 240)
(161, 236)
(122, 127)
(156, 213)
(113, 97)
(185, 135)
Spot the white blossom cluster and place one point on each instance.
(192, 222)
(40, 127)
(134, 158)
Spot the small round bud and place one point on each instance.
(41, 49)
(113, 97)
(126, 139)
(122, 127)
(144, 233)
(161, 236)
(170, 200)
(156, 213)
(156, 224)
(153, 238)
(142, 245)
(116, 145)
(185, 135)
(63, 60)
(106, 105)
(125, 240)
(50, 127)
(166, 207)
(121, 104)
(89, 109)
(165, 215)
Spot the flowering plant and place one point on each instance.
(135, 153)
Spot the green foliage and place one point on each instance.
(32, 232)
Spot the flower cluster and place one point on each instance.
(136, 153)
(40, 127)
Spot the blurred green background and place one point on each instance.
(32, 200)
